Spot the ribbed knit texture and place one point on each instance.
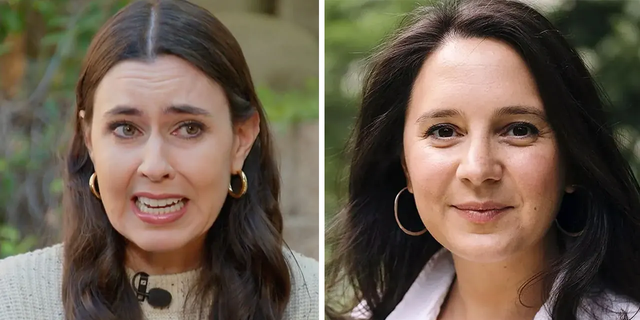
(31, 288)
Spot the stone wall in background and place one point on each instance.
(280, 42)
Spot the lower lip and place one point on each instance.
(159, 219)
(482, 216)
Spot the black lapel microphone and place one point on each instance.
(156, 297)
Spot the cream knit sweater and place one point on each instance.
(30, 288)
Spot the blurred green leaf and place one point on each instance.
(11, 242)
(52, 39)
(11, 20)
(56, 186)
(292, 106)
(9, 234)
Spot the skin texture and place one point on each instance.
(159, 152)
(484, 150)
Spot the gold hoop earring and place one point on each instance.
(244, 188)
(92, 185)
(395, 210)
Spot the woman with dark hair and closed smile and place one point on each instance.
(485, 182)
(171, 199)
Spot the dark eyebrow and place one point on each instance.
(187, 109)
(175, 109)
(440, 113)
(511, 110)
(124, 110)
(521, 110)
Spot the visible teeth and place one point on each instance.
(156, 203)
(144, 206)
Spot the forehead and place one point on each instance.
(167, 80)
(474, 71)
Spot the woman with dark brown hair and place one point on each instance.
(171, 199)
(485, 180)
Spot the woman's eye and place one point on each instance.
(522, 130)
(441, 131)
(445, 133)
(125, 130)
(189, 130)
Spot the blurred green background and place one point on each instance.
(606, 33)
(42, 43)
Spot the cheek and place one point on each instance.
(207, 171)
(539, 180)
(115, 169)
(430, 172)
(204, 171)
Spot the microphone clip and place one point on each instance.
(156, 297)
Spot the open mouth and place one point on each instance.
(159, 206)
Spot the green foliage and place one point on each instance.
(292, 106)
(12, 243)
(352, 31)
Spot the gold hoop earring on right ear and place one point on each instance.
(395, 210)
(92, 186)
(243, 189)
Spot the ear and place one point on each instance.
(86, 133)
(570, 188)
(245, 134)
(406, 174)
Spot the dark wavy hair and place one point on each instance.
(243, 263)
(373, 258)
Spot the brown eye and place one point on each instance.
(128, 130)
(444, 133)
(125, 130)
(189, 130)
(522, 130)
(192, 130)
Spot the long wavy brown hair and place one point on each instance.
(243, 263)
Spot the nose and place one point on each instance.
(479, 163)
(154, 165)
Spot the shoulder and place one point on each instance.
(305, 286)
(30, 284)
(50, 255)
(301, 265)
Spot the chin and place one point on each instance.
(157, 242)
(483, 248)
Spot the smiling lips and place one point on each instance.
(481, 212)
(159, 209)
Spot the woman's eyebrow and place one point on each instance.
(187, 109)
(174, 109)
(439, 113)
(520, 110)
(509, 110)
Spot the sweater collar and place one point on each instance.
(177, 284)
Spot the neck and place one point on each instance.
(166, 262)
(492, 290)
